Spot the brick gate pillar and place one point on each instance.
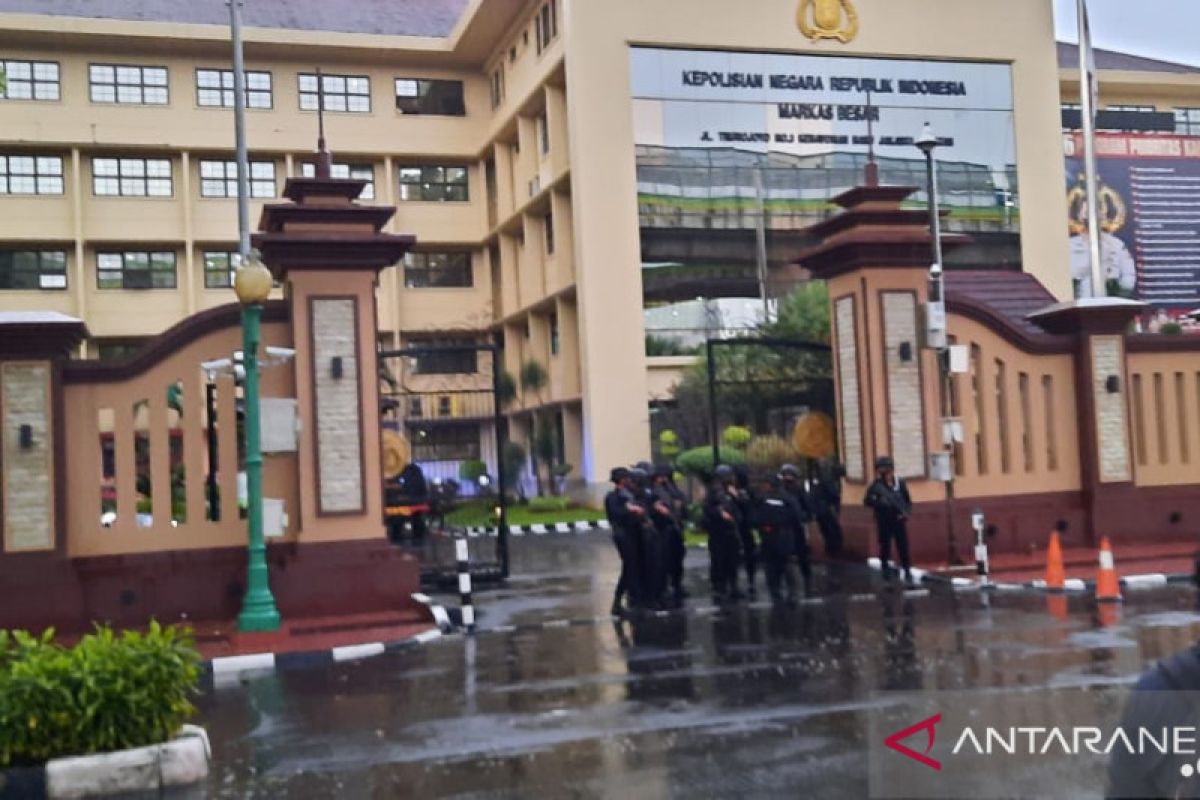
(34, 570)
(875, 257)
(1098, 326)
(329, 250)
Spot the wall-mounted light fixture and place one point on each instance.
(25, 436)
(1112, 384)
(335, 368)
(906, 351)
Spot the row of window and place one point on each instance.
(138, 269)
(545, 31)
(132, 84)
(1187, 120)
(152, 177)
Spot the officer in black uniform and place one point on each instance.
(889, 498)
(745, 496)
(626, 517)
(671, 525)
(826, 505)
(790, 477)
(722, 519)
(780, 523)
(654, 573)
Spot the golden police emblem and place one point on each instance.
(1109, 203)
(828, 19)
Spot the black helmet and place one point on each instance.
(664, 471)
(724, 472)
(638, 474)
(789, 471)
(645, 466)
(618, 474)
(885, 462)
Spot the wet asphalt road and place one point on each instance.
(552, 699)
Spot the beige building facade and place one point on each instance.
(505, 132)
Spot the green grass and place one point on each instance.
(694, 536)
(478, 513)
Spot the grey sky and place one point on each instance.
(1166, 29)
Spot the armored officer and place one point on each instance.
(722, 520)
(789, 476)
(780, 523)
(652, 536)
(745, 495)
(826, 505)
(888, 496)
(672, 496)
(626, 516)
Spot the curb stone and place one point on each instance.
(1150, 580)
(228, 669)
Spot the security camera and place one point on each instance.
(935, 270)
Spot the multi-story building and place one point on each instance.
(577, 173)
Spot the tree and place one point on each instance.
(534, 379)
(514, 460)
(755, 379)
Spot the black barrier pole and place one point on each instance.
(712, 403)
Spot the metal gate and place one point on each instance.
(443, 433)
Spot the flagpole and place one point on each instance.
(1087, 104)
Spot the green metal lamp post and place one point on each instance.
(253, 285)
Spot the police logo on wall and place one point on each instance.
(827, 19)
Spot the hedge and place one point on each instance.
(108, 692)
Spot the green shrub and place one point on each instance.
(698, 462)
(769, 453)
(736, 436)
(548, 504)
(1171, 329)
(108, 692)
(470, 471)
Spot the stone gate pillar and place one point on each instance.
(875, 257)
(1098, 326)
(329, 251)
(38, 585)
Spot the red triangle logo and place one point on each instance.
(927, 725)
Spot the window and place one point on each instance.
(1181, 418)
(30, 80)
(219, 179)
(546, 23)
(548, 227)
(214, 87)
(116, 83)
(1002, 414)
(981, 455)
(1051, 435)
(1127, 107)
(437, 270)
(554, 344)
(543, 130)
(358, 172)
(1187, 121)
(421, 96)
(131, 177)
(115, 350)
(33, 269)
(450, 362)
(433, 183)
(1139, 420)
(340, 92)
(135, 270)
(219, 267)
(31, 175)
(1160, 418)
(446, 442)
(497, 84)
(1026, 421)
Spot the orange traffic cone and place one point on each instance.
(1108, 587)
(1056, 604)
(1056, 576)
